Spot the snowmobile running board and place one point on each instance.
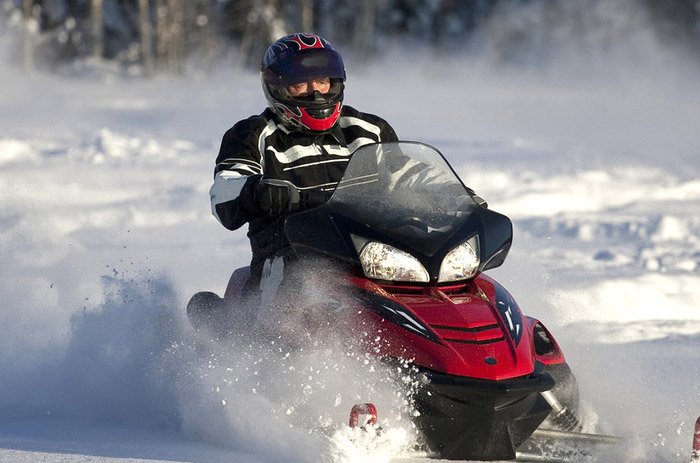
(597, 439)
(570, 436)
(542, 435)
(534, 457)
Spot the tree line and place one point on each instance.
(164, 35)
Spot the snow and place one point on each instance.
(106, 231)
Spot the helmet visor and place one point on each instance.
(305, 65)
(314, 99)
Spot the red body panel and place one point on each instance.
(472, 338)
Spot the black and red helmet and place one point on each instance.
(300, 58)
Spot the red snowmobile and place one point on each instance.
(410, 242)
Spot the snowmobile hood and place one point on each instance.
(474, 330)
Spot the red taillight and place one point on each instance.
(696, 442)
(362, 415)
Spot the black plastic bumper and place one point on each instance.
(472, 419)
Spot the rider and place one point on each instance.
(301, 142)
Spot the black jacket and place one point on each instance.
(260, 146)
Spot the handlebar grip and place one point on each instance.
(312, 198)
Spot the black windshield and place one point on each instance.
(405, 189)
(403, 194)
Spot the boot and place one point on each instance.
(206, 310)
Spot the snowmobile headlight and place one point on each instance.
(462, 262)
(384, 262)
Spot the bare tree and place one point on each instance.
(176, 42)
(205, 28)
(146, 36)
(29, 29)
(162, 30)
(170, 26)
(307, 15)
(265, 23)
(364, 30)
(97, 22)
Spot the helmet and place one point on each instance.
(301, 58)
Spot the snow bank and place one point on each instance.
(15, 151)
(648, 307)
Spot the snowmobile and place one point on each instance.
(410, 243)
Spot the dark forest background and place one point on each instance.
(171, 36)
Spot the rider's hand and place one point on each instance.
(271, 196)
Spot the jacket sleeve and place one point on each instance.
(238, 164)
(387, 132)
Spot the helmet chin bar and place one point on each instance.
(304, 118)
(321, 113)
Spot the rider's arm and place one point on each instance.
(238, 165)
(241, 192)
(386, 132)
(404, 172)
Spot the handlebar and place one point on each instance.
(313, 198)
